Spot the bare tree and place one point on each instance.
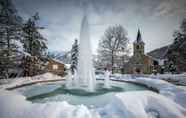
(112, 44)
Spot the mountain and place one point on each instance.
(63, 56)
(159, 53)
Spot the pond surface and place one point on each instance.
(56, 91)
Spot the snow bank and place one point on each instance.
(16, 106)
(175, 78)
(28, 80)
(170, 103)
(142, 104)
(167, 89)
(164, 88)
(139, 104)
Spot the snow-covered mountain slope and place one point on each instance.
(61, 55)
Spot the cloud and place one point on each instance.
(171, 7)
(62, 19)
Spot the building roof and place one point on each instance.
(159, 53)
(56, 60)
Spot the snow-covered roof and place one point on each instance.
(56, 60)
(68, 66)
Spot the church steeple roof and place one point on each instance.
(139, 39)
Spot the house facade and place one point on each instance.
(56, 67)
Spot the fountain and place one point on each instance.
(107, 79)
(85, 72)
(69, 80)
(82, 87)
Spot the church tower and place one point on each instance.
(138, 45)
(139, 62)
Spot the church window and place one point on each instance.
(137, 47)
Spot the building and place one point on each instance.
(160, 58)
(139, 62)
(159, 55)
(56, 67)
(33, 65)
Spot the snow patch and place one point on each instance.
(167, 89)
(170, 103)
(142, 104)
(14, 105)
(176, 78)
(10, 83)
(139, 104)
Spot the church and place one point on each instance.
(139, 62)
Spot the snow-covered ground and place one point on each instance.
(176, 93)
(14, 105)
(143, 104)
(170, 102)
(171, 91)
(175, 78)
(11, 83)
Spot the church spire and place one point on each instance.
(139, 39)
(138, 45)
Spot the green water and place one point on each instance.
(42, 93)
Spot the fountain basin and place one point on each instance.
(56, 91)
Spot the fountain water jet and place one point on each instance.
(107, 79)
(69, 81)
(85, 70)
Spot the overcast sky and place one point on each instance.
(157, 19)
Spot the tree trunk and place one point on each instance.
(123, 68)
(112, 62)
(8, 54)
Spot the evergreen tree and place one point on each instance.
(34, 42)
(10, 33)
(74, 56)
(35, 45)
(177, 51)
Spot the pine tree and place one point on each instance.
(34, 42)
(177, 51)
(74, 56)
(10, 33)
